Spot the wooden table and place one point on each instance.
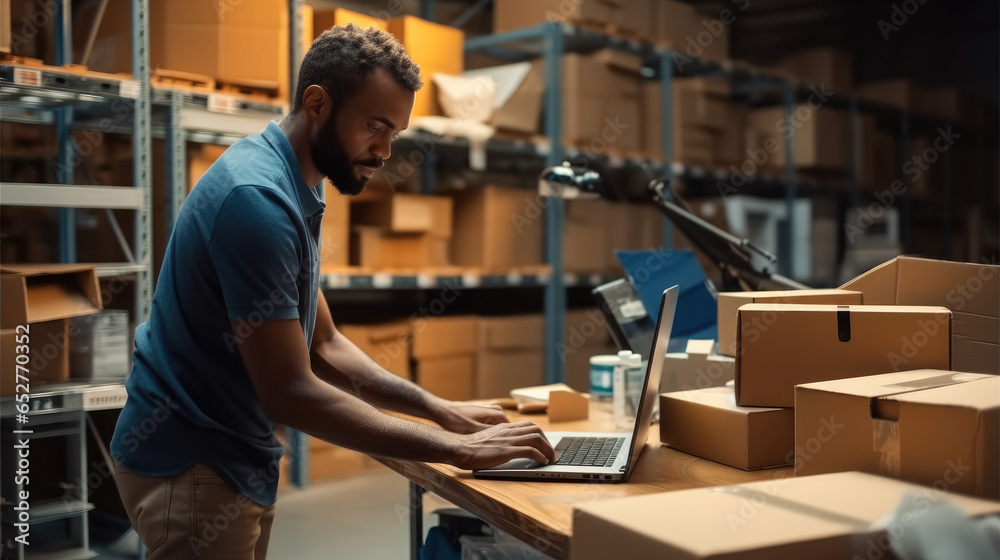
(541, 513)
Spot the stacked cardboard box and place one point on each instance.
(498, 228)
(707, 128)
(841, 515)
(730, 303)
(444, 351)
(970, 290)
(826, 67)
(691, 34)
(616, 16)
(437, 49)
(330, 462)
(931, 427)
(821, 137)
(586, 335)
(595, 229)
(509, 354)
(402, 231)
(698, 367)
(241, 45)
(900, 93)
(335, 245)
(200, 157)
(783, 345)
(36, 303)
(602, 101)
(388, 344)
(948, 104)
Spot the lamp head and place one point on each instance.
(567, 181)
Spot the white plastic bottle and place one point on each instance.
(618, 386)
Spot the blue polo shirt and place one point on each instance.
(245, 246)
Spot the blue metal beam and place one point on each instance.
(667, 133)
(470, 13)
(555, 212)
(791, 177)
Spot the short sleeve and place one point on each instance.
(257, 255)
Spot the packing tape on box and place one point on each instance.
(885, 442)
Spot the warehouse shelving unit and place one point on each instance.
(49, 95)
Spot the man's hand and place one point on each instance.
(501, 443)
(467, 418)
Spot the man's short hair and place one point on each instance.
(342, 57)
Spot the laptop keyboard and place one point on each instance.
(588, 451)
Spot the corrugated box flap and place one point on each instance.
(968, 287)
(878, 284)
(887, 384)
(967, 390)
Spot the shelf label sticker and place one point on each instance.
(27, 77)
(470, 280)
(105, 399)
(129, 89)
(223, 103)
(513, 278)
(426, 281)
(382, 280)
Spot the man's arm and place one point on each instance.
(338, 361)
(277, 359)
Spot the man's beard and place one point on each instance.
(331, 160)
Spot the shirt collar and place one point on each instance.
(310, 198)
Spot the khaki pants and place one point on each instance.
(194, 515)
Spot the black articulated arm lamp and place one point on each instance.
(744, 265)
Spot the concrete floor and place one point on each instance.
(360, 517)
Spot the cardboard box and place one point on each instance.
(449, 378)
(697, 368)
(406, 213)
(32, 293)
(787, 345)
(245, 44)
(974, 355)
(5, 25)
(690, 33)
(824, 517)
(325, 19)
(708, 423)
(602, 100)
(826, 67)
(945, 103)
(587, 236)
(923, 424)
(515, 14)
(730, 302)
(440, 337)
(48, 355)
(498, 228)
(200, 157)
(330, 462)
(388, 344)
(972, 289)
(509, 354)
(335, 245)
(899, 93)
(435, 48)
(374, 248)
(820, 136)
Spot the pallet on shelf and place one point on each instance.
(174, 79)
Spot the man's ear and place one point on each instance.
(315, 100)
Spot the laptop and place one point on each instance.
(630, 325)
(601, 456)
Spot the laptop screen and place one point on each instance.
(654, 369)
(630, 325)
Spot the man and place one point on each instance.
(240, 337)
